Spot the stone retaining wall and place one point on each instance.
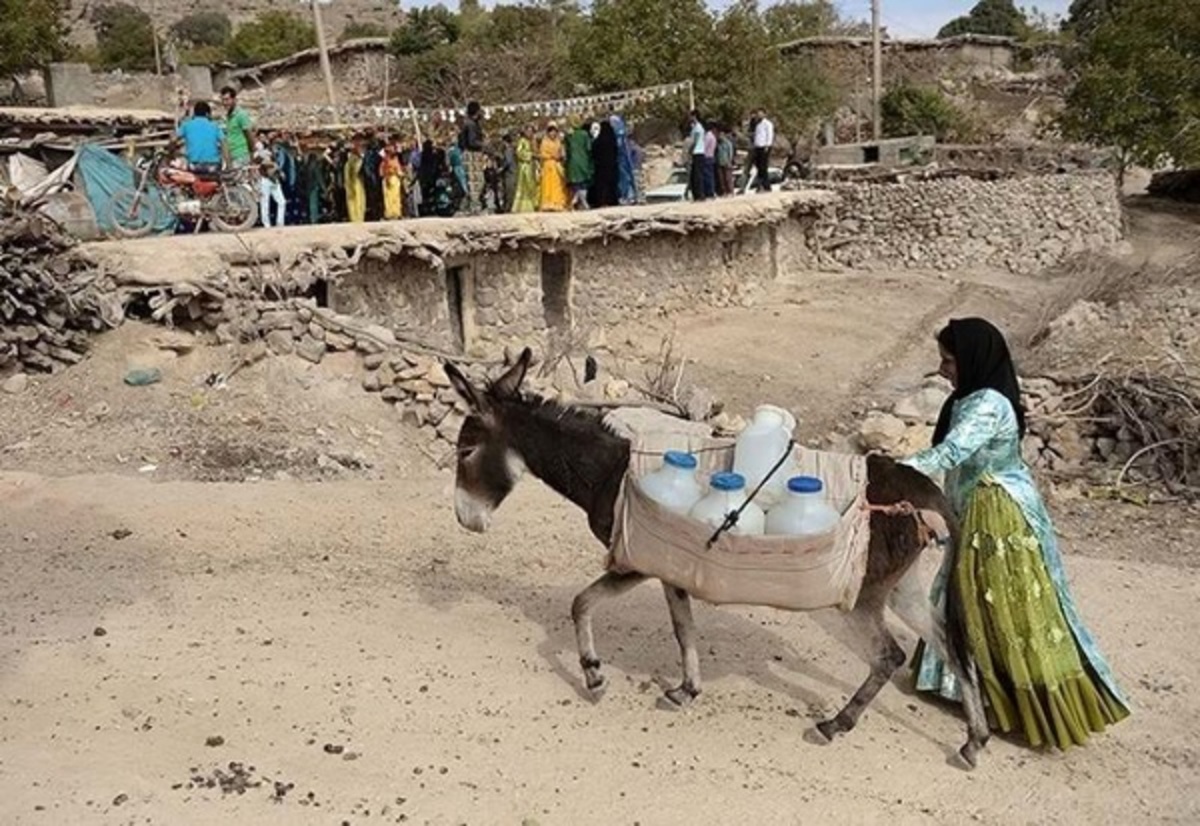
(571, 292)
(1022, 224)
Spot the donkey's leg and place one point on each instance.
(910, 600)
(978, 731)
(886, 656)
(680, 605)
(611, 584)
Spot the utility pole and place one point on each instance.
(154, 32)
(876, 72)
(325, 68)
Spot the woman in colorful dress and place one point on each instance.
(391, 173)
(356, 188)
(526, 198)
(1040, 670)
(553, 197)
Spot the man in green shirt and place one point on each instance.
(239, 129)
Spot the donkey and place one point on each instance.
(573, 451)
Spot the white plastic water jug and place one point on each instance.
(804, 512)
(728, 493)
(759, 447)
(674, 485)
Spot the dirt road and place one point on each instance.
(285, 616)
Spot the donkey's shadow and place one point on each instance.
(635, 638)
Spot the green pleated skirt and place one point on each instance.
(1031, 673)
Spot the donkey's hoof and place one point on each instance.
(830, 729)
(969, 754)
(596, 686)
(680, 697)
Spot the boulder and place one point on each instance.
(16, 384)
(280, 342)
(882, 431)
(921, 407)
(309, 349)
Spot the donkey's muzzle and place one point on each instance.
(473, 513)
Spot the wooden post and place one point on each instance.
(154, 32)
(326, 70)
(877, 72)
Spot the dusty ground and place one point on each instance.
(180, 563)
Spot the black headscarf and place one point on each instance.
(983, 362)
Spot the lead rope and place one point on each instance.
(731, 518)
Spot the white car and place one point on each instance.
(675, 187)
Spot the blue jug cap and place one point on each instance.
(805, 484)
(679, 459)
(727, 481)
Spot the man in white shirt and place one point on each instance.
(764, 139)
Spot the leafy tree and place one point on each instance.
(425, 29)
(644, 42)
(1138, 83)
(274, 35)
(1085, 16)
(30, 34)
(794, 19)
(124, 37)
(203, 28)
(356, 29)
(916, 110)
(998, 17)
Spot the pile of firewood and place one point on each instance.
(49, 303)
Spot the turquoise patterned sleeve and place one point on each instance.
(977, 420)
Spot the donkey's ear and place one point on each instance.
(508, 384)
(464, 388)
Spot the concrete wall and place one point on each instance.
(70, 84)
(551, 295)
(1022, 224)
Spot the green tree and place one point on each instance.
(274, 35)
(916, 110)
(355, 30)
(124, 37)
(203, 28)
(1138, 83)
(997, 17)
(31, 34)
(425, 29)
(1085, 16)
(644, 42)
(794, 19)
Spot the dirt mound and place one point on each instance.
(211, 417)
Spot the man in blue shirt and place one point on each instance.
(203, 140)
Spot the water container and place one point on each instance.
(759, 447)
(804, 512)
(728, 493)
(674, 485)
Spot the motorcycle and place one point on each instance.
(162, 191)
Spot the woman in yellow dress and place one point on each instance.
(526, 197)
(554, 181)
(391, 172)
(356, 187)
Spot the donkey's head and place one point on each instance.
(488, 464)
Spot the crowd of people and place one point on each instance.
(375, 175)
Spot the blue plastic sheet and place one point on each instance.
(103, 174)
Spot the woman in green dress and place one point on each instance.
(526, 199)
(1040, 670)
